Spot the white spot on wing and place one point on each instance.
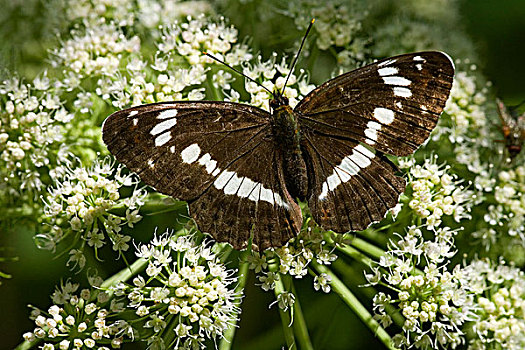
(399, 105)
(266, 195)
(387, 71)
(162, 139)
(396, 81)
(167, 114)
(419, 58)
(246, 188)
(132, 113)
(172, 149)
(350, 166)
(371, 132)
(135, 121)
(223, 179)
(163, 126)
(229, 182)
(190, 153)
(365, 151)
(402, 92)
(207, 162)
(419, 66)
(384, 115)
(233, 185)
(361, 159)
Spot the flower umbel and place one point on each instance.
(186, 291)
(85, 205)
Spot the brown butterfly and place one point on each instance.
(242, 169)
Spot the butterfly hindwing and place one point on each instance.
(351, 186)
(261, 206)
(210, 154)
(391, 105)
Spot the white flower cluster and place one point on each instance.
(435, 303)
(177, 71)
(142, 13)
(500, 304)
(32, 120)
(469, 132)
(337, 25)
(436, 192)
(505, 216)
(81, 205)
(79, 321)
(509, 193)
(187, 290)
(93, 50)
(272, 76)
(293, 259)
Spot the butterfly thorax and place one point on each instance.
(287, 136)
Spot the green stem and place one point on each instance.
(367, 248)
(227, 340)
(350, 274)
(355, 305)
(285, 317)
(151, 207)
(378, 237)
(356, 255)
(217, 95)
(299, 324)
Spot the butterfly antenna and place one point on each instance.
(297, 55)
(237, 71)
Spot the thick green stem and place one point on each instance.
(299, 324)
(356, 255)
(375, 236)
(285, 317)
(227, 340)
(351, 274)
(367, 248)
(355, 305)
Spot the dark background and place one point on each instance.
(496, 27)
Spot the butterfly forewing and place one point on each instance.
(391, 105)
(219, 157)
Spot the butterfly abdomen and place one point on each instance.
(288, 138)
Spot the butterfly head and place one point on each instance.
(277, 101)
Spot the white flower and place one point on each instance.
(322, 281)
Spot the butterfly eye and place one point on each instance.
(274, 104)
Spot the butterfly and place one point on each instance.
(242, 169)
(513, 128)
